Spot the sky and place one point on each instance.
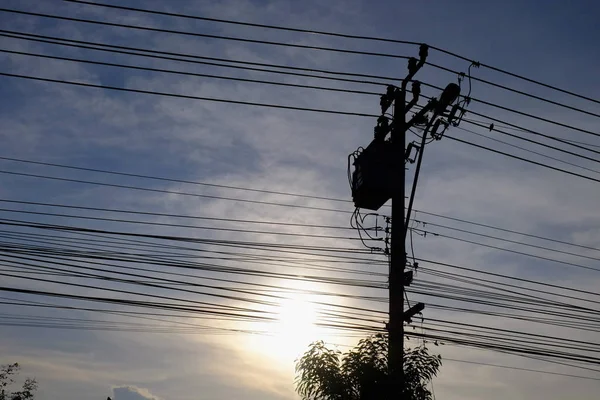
(226, 146)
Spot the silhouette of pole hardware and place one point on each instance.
(379, 175)
(408, 314)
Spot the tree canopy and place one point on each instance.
(362, 372)
(7, 374)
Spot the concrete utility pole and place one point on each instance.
(379, 174)
(397, 246)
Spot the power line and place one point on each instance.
(506, 339)
(276, 83)
(568, 317)
(350, 36)
(514, 251)
(159, 214)
(199, 195)
(479, 124)
(277, 247)
(119, 173)
(224, 219)
(185, 73)
(528, 150)
(519, 293)
(564, 311)
(204, 35)
(487, 82)
(205, 268)
(164, 179)
(554, 362)
(513, 368)
(164, 281)
(192, 58)
(524, 159)
(508, 240)
(511, 331)
(219, 255)
(515, 76)
(506, 230)
(219, 219)
(477, 281)
(155, 280)
(146, 304)
(227, 21)
(97, 248)
(454, 266)
(254, 104)
(200, 227)
(521, 130)
(568, 142)
(504, 347)
(155, 285)
(536, 117)
(188, 97)
(45, 252)
(205, 328)
(551, 349)
(448, 292)
(160, 258)
(511, 315)
(245, 256)
(134, 314)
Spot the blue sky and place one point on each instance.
(288, 151)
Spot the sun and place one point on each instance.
(296, 320)
(295, 328)
(287, 337)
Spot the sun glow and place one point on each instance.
(296, 319)
(295, 329)
(288, 337)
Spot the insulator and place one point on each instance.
(390, 90)
(385, 102)
(382, 128)
(409, 150)
(412, 65)
(434, 130)
(423, 51)
(453, 112)
(386, 99)
(416, 89)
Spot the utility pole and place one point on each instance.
(379, 175)
(397, 246)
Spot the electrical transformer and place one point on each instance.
(372, 183)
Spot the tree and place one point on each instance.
(7, 373)
(361, 373)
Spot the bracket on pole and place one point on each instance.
(408, 278)
(408, 314)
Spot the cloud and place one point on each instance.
(258, 148)
(132, 393)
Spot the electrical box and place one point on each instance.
(372, 183)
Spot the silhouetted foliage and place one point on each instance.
(361, 373)
(7, 374)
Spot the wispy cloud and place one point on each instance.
(276, 150)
